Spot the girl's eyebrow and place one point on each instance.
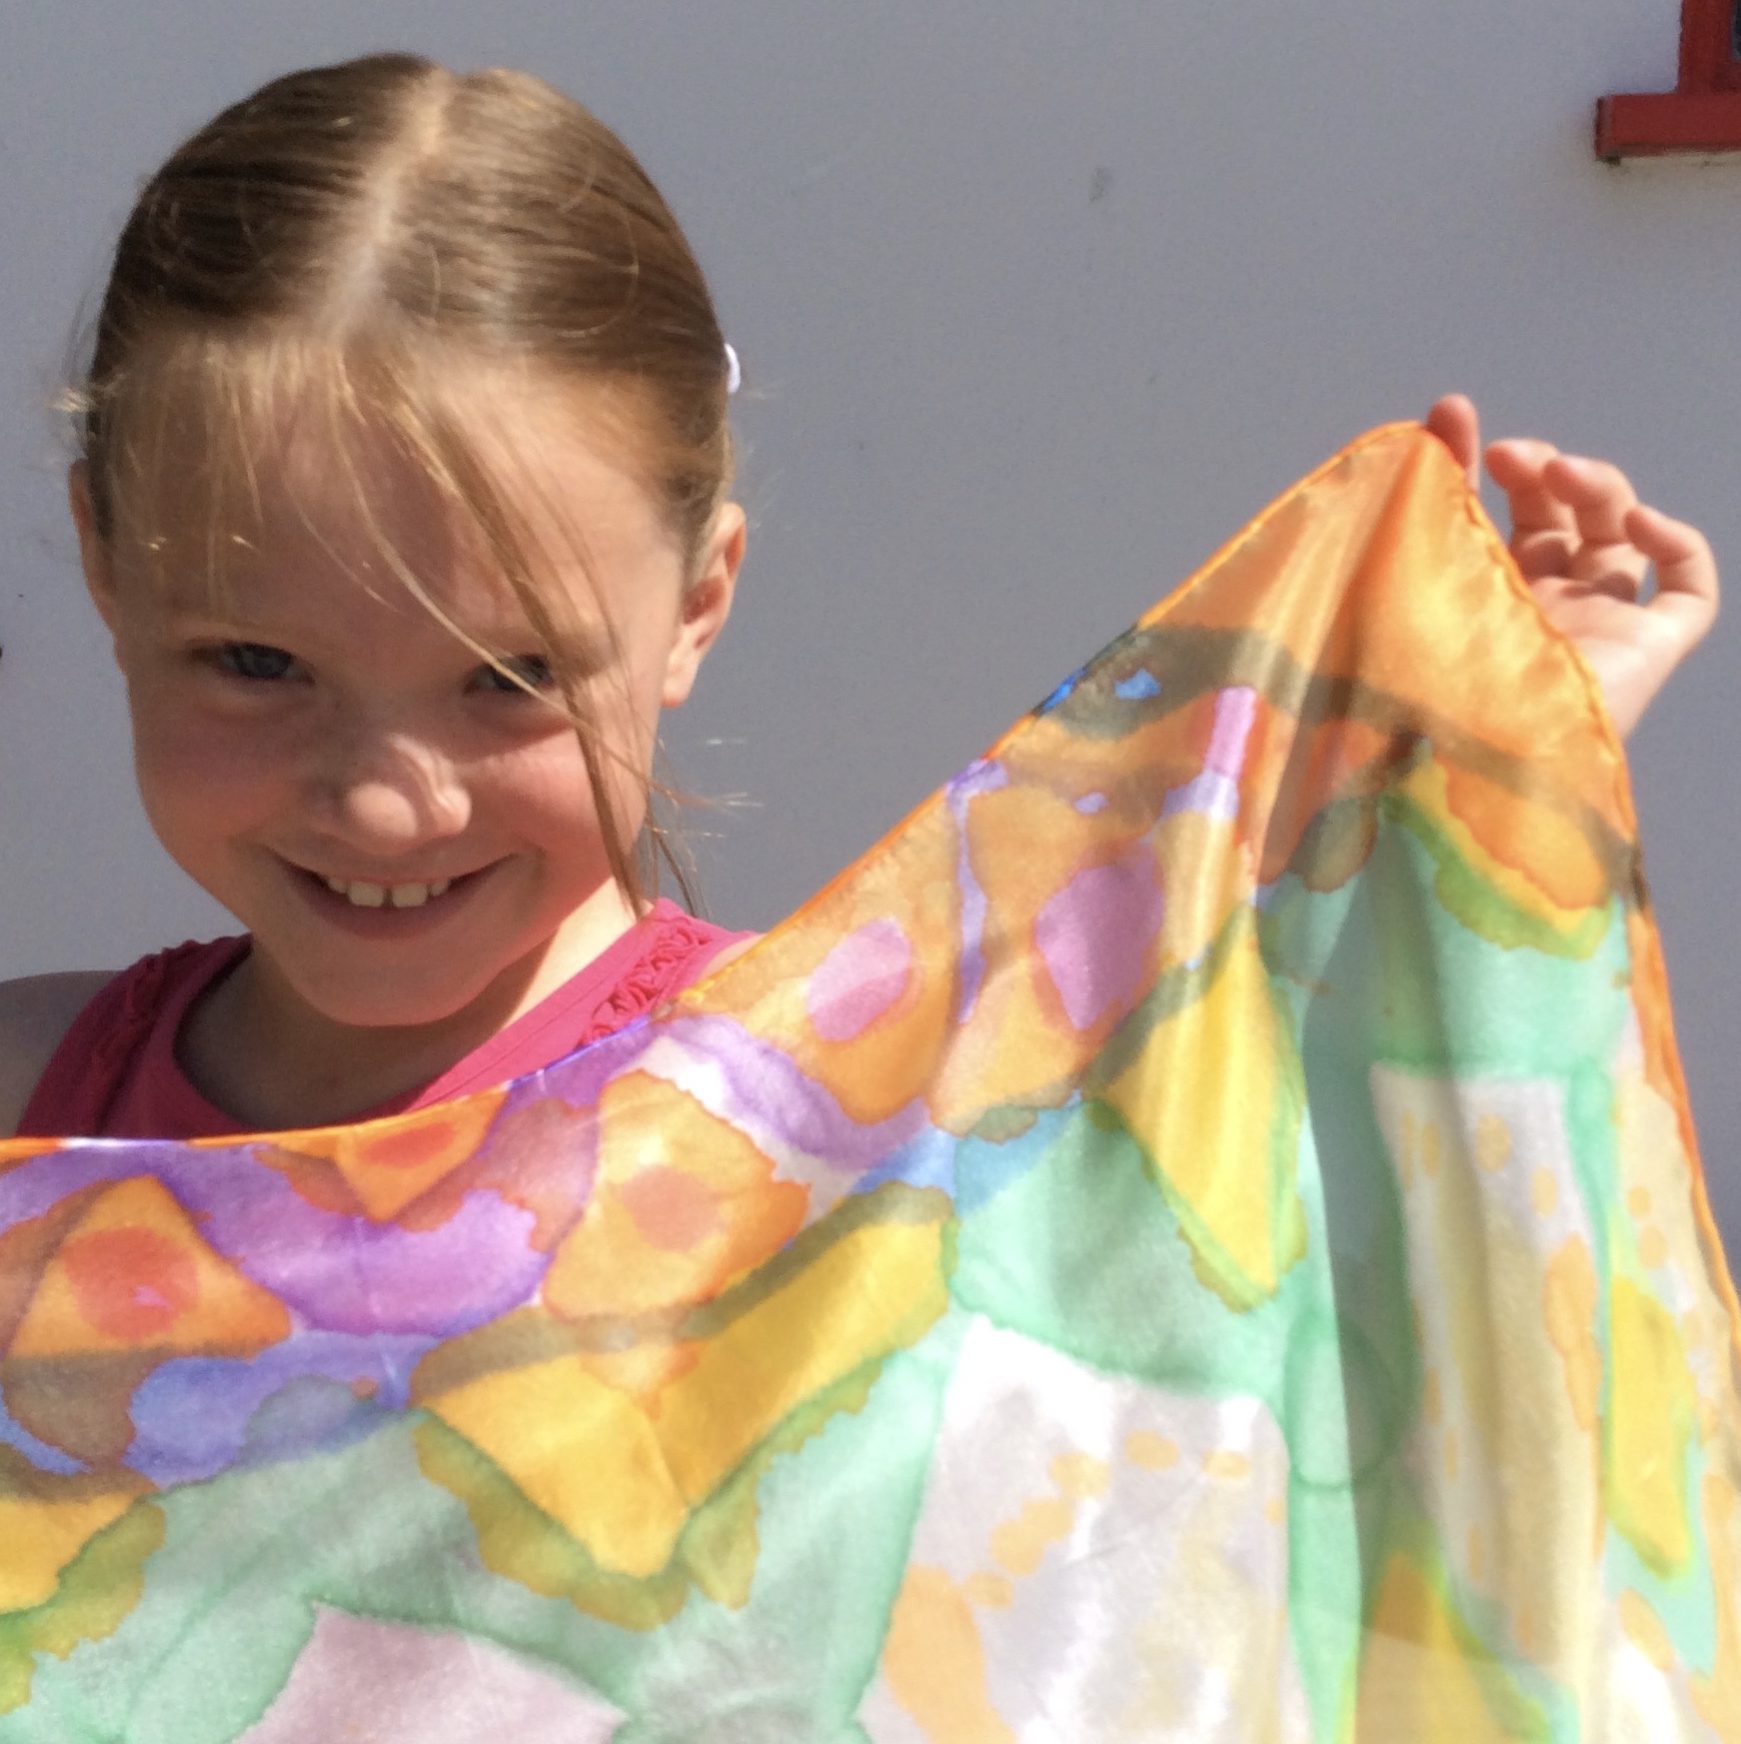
(583, 649)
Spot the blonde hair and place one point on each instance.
(347, 234)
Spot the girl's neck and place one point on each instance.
(254, 1048)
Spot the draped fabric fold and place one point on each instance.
(1197, 1235)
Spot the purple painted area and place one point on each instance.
(859, 981)
(199, 1416)
(347, 1274)
(1214, 795)
(770, 1093)
(1094, 936)
(340, 1272)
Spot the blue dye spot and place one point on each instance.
(1059, 694)
(1140, 684)
(1092, 802)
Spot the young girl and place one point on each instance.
(403, 490)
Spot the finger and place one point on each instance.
(1455, 422)
(1518, 466)
(1686, 571)
(1599, 495)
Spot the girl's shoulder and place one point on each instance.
(36, 1012)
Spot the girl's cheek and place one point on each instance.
(202, 754)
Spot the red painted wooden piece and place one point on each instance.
(1702, 113)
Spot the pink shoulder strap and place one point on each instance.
(95, 1057)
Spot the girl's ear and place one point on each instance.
(706, 605)
(94, 556)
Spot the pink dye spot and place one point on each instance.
(1094, 937)
(1235, 710)
(672, 1210)
(859, 980)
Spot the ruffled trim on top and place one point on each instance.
(673, 948)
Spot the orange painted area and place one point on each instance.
(1550, 850)
(135, 1272)
(131, 1284)
(389, 1164)
(683, 1204)
(934, 1663)
(886, 1066)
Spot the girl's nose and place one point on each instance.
(389, 793)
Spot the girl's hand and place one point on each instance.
(1584, 543)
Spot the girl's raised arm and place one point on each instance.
(1586, 545)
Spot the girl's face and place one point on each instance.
(404, 833)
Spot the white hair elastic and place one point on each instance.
(734, 376)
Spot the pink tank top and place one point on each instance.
(115, 1074)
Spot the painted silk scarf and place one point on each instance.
(1197, 1236)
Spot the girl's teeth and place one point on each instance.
(363, 895)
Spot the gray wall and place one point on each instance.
(1037, 302)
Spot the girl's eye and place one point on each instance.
(253, 660)
(529, 669)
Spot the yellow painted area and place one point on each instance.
(582, 1452)
(991, 1592)
(1645, 1630)
(193, 1299)
(1153, 1452)
(934, 1663)
(1205, 1098)
(1493, 1143)
(1227, 1466)
(656, 1143)
(1569, 1307)
(1422, 1668)
(1718, 1696)
(1019, 1544)
(1081, 1475)
(388, 1164)
(1198, 907)
(624, 1475)
(1544, 1192)
(92, 1602)
(1653, 1248)
(875, 1289)
(42, 1536)
(1650, 1422)
(1432, 1148)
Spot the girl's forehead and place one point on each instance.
(300, 489)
